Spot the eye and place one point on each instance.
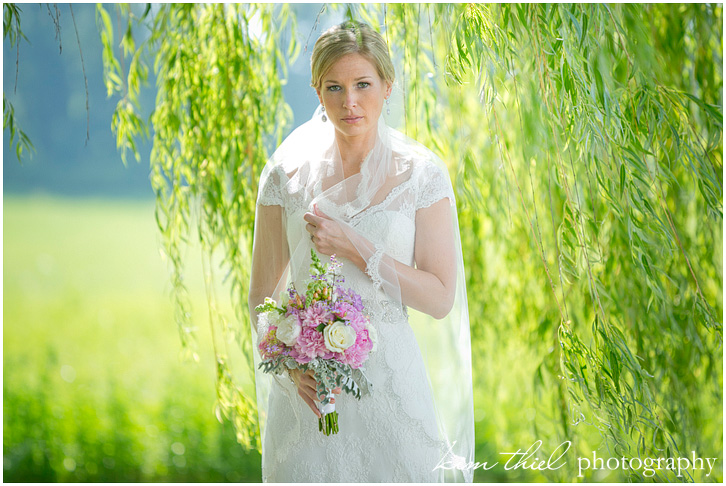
(333, 87)
(363, 84)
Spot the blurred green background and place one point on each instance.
(93, 385)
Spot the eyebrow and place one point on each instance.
(357, 79)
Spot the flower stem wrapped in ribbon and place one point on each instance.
(324, 330)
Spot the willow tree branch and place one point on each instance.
(85, 78)
(56, 24)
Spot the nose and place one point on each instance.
(350, 100)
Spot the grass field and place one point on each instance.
(93, 385)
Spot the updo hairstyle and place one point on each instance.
(347, 38)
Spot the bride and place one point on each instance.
(345, 183)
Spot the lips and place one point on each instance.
(352, 119)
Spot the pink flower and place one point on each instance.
(344, 310)
(310, 343)
(270, 346)
(315, 315)
(300, 358)
(357, 354)
(358, 321)
(349, 295)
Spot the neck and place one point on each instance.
(353, 150)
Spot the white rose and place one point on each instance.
(373, 336)
(288, 329)
(339, 337)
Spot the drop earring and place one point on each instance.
(388, 106)
(325, 118)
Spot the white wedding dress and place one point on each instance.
(392, 434)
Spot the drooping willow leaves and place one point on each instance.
(580, 148)
(14, 34)
(585, 144)
(218, 72)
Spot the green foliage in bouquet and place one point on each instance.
(328, 373)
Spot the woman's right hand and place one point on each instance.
(307, 388)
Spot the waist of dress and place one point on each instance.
(385, 311)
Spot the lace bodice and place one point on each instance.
(390, 224)
(426, 185)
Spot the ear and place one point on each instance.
(389, 88)
(317, 91)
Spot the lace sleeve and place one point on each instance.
(272, 188)
(434, 185)
(373, 267)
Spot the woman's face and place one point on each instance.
(353, 93)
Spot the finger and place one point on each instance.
(337, 390)
(309, 384)
(309, 393)
(310, 228)
(311, 404)
(319, 213)
(313, 395)
(312, 219)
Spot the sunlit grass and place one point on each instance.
(94, 388)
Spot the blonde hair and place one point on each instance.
(347, 38)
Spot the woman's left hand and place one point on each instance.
(326, 234)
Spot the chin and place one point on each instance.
(355, 130)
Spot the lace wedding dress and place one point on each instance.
(391, 434)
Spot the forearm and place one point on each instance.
(263, 283)
(429, 286)
(420, 289)
(424, 291)
(261, 288)
(270, 256)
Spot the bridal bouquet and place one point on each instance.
(324, 330)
